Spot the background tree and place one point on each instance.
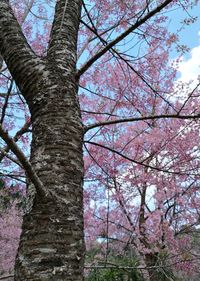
(140, 134)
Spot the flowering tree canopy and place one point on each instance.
(88, 89)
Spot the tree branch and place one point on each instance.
(118, 55)
(138, 162)
(16, 52)
(4, 153)
(6, 276)
(22, 131)
(3, 112)
(64, 32)
(134, 119)
(24, 162)
(121, 37)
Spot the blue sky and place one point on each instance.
(188, 35)
(190, 67)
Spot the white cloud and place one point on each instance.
(190, 68)
(189, 71)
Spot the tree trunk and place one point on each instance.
(156, 273)
(52, 242)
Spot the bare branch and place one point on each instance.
(4, 153)
(22, 131)
(29, 6)
(6, 276)
(134, 119)
(24, 162)
(140, 267)
(6, 103)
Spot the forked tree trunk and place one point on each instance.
(52, 241)
(51, 245)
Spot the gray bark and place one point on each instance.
(52, 241)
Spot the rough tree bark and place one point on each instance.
(52, 243)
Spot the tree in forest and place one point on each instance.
(92, 80)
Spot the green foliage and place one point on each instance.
(113, 274)
(117, 268)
